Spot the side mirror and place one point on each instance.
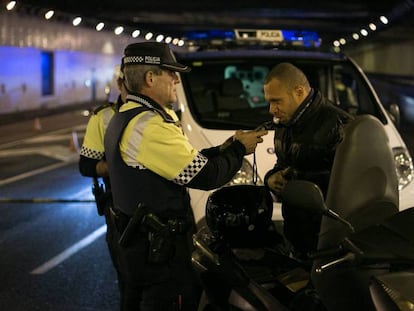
(307, 195)
(394, 112)
(304, 194)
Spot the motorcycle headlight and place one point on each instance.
(404, 166)
(246, 175)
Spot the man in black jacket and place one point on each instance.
(308, 129)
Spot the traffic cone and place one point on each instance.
(74, 143)
(37, 126)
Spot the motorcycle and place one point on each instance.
(365, 249)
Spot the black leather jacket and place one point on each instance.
(308, 142)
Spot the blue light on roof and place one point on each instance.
(309, 38)
(211, 34)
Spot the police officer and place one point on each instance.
(151, 163)
(92, 161)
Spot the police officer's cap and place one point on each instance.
(152, 53)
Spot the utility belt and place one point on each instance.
(160, 233)
(175, 225)
(121, 220)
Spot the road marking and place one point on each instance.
(34, 172)
(87, 192)
(50, 264)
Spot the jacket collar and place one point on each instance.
(302, 108)
(151, 105)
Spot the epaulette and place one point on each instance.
(103, 106)
(152, 106)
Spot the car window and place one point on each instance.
(228, 94)
(351, 93)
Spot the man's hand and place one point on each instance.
(250, 139)
(278, 181)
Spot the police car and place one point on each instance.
(224, 92)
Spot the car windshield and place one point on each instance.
(228, 94)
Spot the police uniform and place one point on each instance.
(151, 163)
(92, 146)
(92, 151)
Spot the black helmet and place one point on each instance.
(240, 214)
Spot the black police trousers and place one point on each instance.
(112, 237)
(168, 286)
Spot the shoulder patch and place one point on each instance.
(103, 106)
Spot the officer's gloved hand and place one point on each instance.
(250, 139)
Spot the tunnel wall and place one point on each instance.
(82, 63)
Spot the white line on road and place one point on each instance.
(34, 172)
(87, 192)
(50, 264)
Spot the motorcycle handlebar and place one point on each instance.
(200, 245)
(347, 257)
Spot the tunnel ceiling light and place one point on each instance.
(49, 14)
(355, 36)
(135, 33)
(336, 43)
(118, 30)
(100, 26)
(372, 26)
(384, 20)
(149, 36)
(342, 41)
(364, 32)
(76, 21)
(10, 6)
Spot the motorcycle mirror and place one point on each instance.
(307, 195)
(304, 194)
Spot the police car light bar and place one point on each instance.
(293, 37)
(259, 37)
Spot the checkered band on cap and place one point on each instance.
(152, 53)
(191, 170)
(150, 60)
